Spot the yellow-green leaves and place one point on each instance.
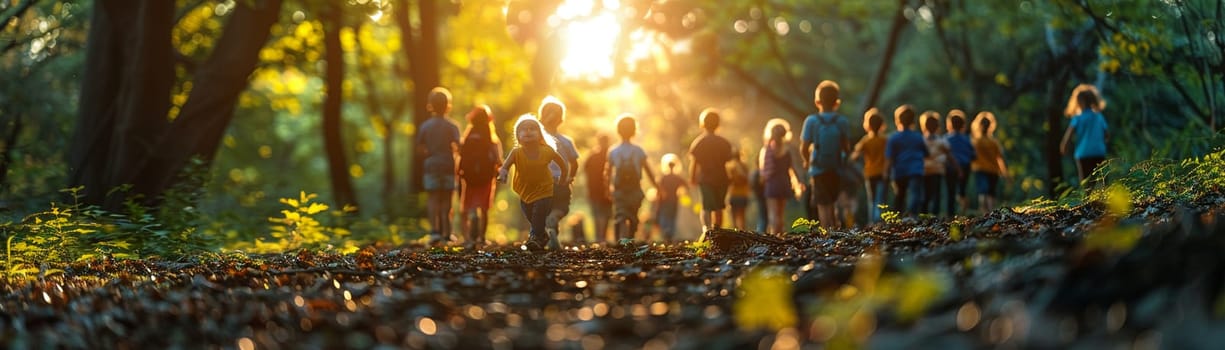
(299, 227)
(1109, 236)
(764, 300)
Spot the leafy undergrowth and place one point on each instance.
(1051, 278)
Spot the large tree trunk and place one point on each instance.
(334, 146)
(123, 134)
(125, 94)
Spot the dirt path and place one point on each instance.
(1071, 277)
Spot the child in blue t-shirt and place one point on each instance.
(904, 154)
(963, 154)
(1085, 109)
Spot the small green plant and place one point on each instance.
(803, 226)
(299, 227)
(889, 216)
(699, 247)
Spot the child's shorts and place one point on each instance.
(438, 182)
(986, 183)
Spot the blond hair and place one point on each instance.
(528, 118)
(666, 162)
(1084, 94)
(768, 134)
(977, 125)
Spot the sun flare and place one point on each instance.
(589, 38)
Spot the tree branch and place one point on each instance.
(769, 92)
(772, 40)
(1096, 19)
(20, 10)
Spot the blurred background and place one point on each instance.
(259, 100)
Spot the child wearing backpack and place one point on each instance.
(709, 154)
(533, 181)
(552, 113)
(872, 149)
(478, 165)
(626, 164)
(667, 198)
(904, 154)
(825, 139)
(963, 153)
(437, 141)
(989, 166)
(778, 171)
(935, 165)
(1085, 108)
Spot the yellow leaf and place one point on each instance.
(764, 300)
(1117, 240)
(1118, 200)
(316, 208)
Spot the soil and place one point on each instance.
(1008, 278)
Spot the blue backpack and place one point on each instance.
(828, 153)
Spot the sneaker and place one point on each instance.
(532, 246)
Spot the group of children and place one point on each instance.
(916, 161)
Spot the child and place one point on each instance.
(759, 198)
(668, 196)
(478, 165)
(824, 140)
(533, 182)
(989, 165)
(438, 140)
(963, 153)
(626, 164)
(904, 154)
(850, 179)
(778, 171)
(1085, 108)
(597, 187)
(738, 190)
(709, 154)
(935, 166)
(552, 113)
(872, 148)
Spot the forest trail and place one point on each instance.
(1039, 278)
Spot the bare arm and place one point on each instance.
(693, 169)
(805, 152)
(646, 168)
(565, 170)
(1067, 137)
(510, 160)
(857, 151)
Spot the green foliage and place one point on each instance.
(890, 216)
(1183, 180)
(299, 227)
(699, 248)
(803, 226)
(64, 233)
(764, 300)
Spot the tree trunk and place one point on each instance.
(421, 49)
(895, 33)
(334, 146)
(125, 96)
(123, 134)
(1058, 89)
(6, 154)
